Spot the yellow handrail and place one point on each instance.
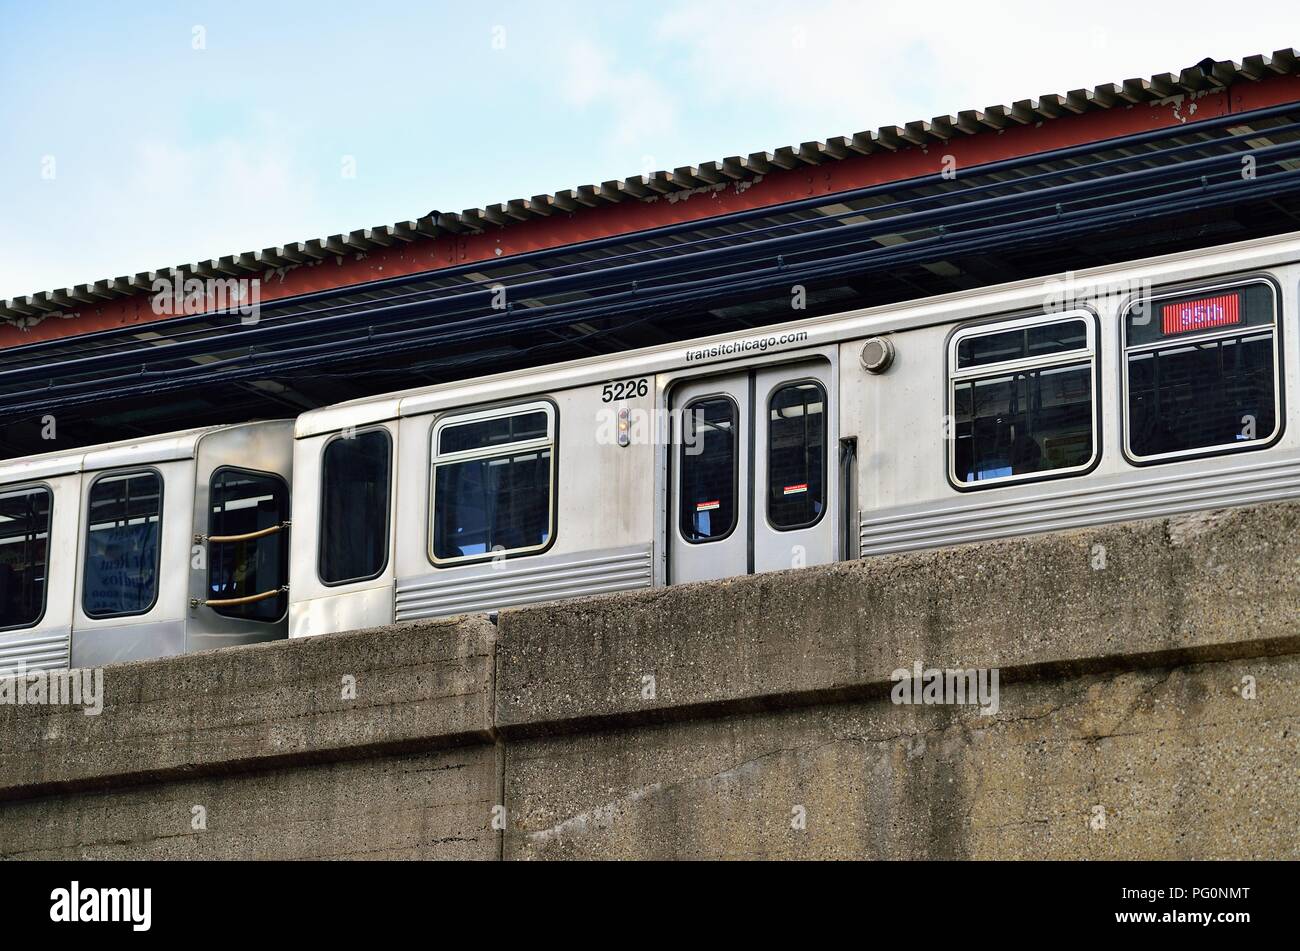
(246, 537)
(234, 602)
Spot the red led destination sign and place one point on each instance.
(1201, 313)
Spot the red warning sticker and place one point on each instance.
(796, 489)
(708, 506)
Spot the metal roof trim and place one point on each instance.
(140, 450)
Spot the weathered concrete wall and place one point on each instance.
(1148, 708)
(1121, 689)
(1182, 767)
(283, 759)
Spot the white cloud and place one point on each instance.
(861, 65)
(196, 201)
(639, 108)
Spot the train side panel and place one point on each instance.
(243, 481)
(586, 528)
(342, 597)
(113, 619)
(908, 428)
(38, 571)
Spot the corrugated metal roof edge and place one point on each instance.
(1209, 74)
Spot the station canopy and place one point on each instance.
(1064, 183)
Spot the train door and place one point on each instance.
(751, 484)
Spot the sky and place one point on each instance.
(136, 136)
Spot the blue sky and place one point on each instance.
(135, 136)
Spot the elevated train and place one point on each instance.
(1144, 389)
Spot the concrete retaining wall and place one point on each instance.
(1148, 707)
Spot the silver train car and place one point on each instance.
(145, 548)
(1139, 390)
(1145, 389)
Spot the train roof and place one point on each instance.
(141, 450)
(885, 318)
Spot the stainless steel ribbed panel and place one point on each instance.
(1157, 492)
(34, 650)
(515, 582)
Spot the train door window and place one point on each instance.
(248, 548)
(24, 554)
(493, 478)
(354, 506)
(1202, 372)
(1022, 400)
(123, 539)
(796, 455)
(709, 469)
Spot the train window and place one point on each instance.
(1201, 372)
(123, 538)
(492, 485)
(1033, 341)
(24, 553)
(1022, 401)
(243, 504)
(709, 472)
(354, 506)
(796, 455)
(484, 433)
